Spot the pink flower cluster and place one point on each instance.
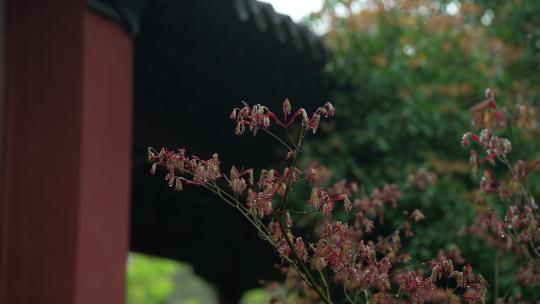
(427, 290)
(259, 116)
(176, 163)
(422, 178)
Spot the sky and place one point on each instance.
(297, 9)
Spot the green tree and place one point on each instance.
(405, 73)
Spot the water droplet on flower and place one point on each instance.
(502, 236)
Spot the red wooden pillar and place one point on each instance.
(65, 181)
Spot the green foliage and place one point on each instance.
(153, 280)
(150, 280)
(404, 75)
(256, 296)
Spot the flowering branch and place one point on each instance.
(521, 222)
(337, 262)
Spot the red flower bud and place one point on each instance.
(286, 107)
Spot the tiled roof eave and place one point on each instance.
(266, 19)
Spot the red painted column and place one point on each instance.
(65, 184)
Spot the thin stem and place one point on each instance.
(218, 192)
(506, 162)
(356, 295)
(391, 235)
(321, 274)
(407, 267)
(278, 138)
(235, 199)
(290, 137)
(304, 212)
(246, 212)
(347, 295)
(300, 180)
(227, 179)
(290, 179)
(366, 296)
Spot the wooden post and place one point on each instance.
(66, 156)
